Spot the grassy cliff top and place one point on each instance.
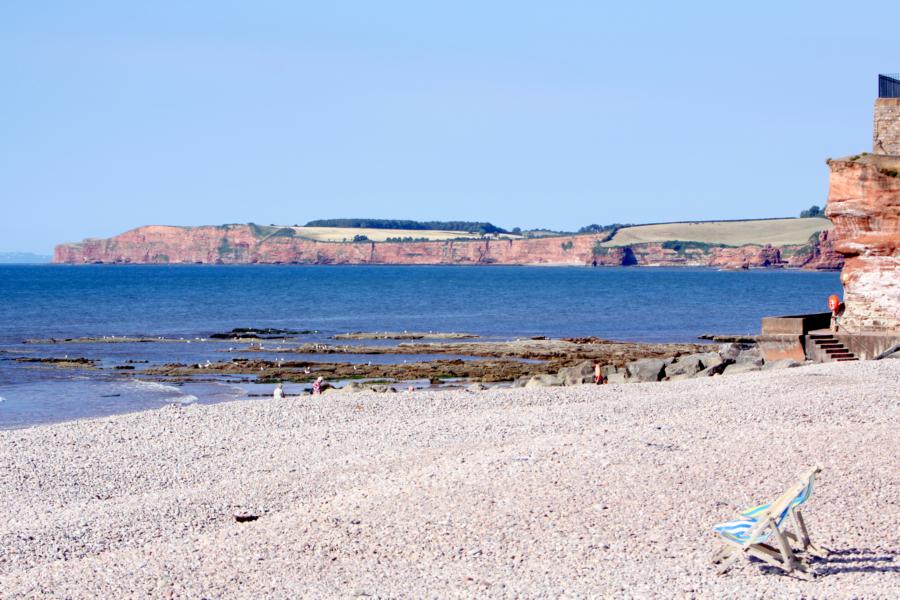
(341, 234)
(777, 232)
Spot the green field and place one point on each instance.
(346, 234)
(777, 232)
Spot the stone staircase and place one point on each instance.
(830, 348)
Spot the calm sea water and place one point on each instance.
(58, 301)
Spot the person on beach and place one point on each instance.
(278, 394)
(598, 374)
(837, 309)
(317, 386)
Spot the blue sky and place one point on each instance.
(529, 114)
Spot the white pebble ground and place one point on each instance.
(586, 491)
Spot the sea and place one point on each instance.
(188, 303)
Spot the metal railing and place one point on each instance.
(889, 85)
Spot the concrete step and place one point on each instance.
(830, 349)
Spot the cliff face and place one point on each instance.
(817, 254)
(234, 244)
(686, 254)
(864, 205)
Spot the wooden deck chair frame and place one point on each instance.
(802, 536)
(782, 557)
(769, 524)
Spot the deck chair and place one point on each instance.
(748, 536)
(802, 535)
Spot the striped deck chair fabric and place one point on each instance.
(754, 512)
(748, 535)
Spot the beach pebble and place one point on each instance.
(580, 491)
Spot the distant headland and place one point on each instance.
(784, 242)
(23, 258)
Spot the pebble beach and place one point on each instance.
(581, 491)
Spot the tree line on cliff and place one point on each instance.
(812, 211)
(467, 226)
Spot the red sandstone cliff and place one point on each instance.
(864, 205)
(246, 244)
(232, 244)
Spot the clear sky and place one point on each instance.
(530, 114)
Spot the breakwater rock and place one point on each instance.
(727, 359)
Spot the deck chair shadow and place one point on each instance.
(748, 535)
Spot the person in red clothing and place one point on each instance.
(598, 374)
(317, 387)
(837, 309)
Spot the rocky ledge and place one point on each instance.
(497, 362)
(403, 335)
